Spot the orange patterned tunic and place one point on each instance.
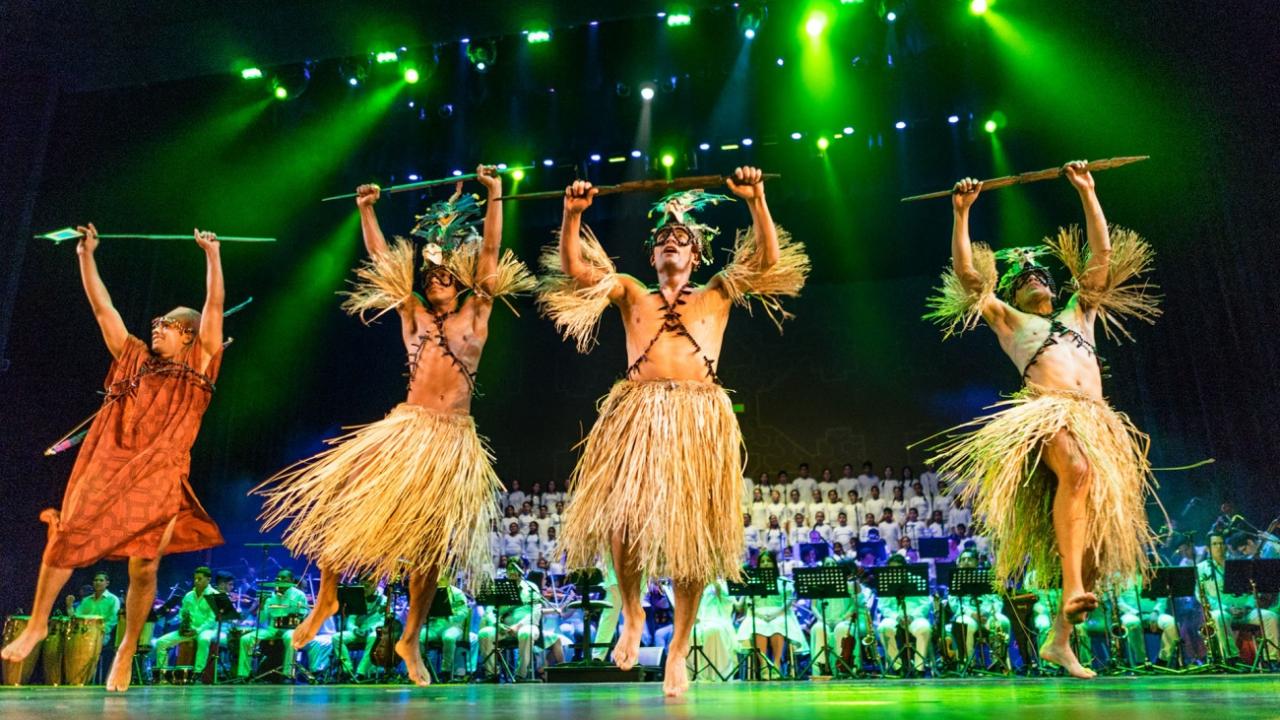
(130, 478)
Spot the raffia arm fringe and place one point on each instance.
(383, 282)
(1124, 295)
(955, 308)
(511, 278)
(576, 309)
(745, 279)
(998, 458)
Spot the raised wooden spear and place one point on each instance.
(682, 183)
(1036, 176)
(424, 184)
(60, 236)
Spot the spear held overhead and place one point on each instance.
(65, 234)
(683, 183)
(1035, 176)
(423, 184)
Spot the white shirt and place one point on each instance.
(827, 486)
(524, 519)
(865, 482)
(516, 498)
(854, 512)
(824, 530)
(899, 508)
(929, 481)
(760, 514)
(547, 548)
(845, 484)
(915, 530)
(936, 530)
(752, 536)
(774, 539)
(812, 510)
(794, 509)
(921, 504)
(843, 534)
(805, 485)
(799, 535)
(875, 506)
(889, 532)
(776, 509)
(549, 499)
(532, 546)
(513, 545)
(958, 515)
(864, 533)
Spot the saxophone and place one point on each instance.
(1209, 627)
(1117, 630)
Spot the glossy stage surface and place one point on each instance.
(1203, 698)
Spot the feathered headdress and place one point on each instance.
(446, 225)
(673, 211)
(1024, 263)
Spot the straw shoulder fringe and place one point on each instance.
(1124, 295)
(745, 278)
(512, 277)
(953, 306)
(576, 309)
(383, 282)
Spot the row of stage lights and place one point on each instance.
(667, 159)
(483, 54)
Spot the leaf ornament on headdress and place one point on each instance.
(445, 225)
(1023, 261)
(674, 211)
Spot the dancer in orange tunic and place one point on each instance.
(128, 496)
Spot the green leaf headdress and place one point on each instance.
(1024, 263)
(446, 225)
(675, 209)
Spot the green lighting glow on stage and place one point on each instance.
(385, 57)
(281, 92)
(815, 23)
(678, 19)
(979, 7)
(990, 126)
(823, 143)
(517, 174)
(668, 160)
(251, 73)
(539, 36)
(411, 75)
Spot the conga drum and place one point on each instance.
(182, 669)
(82, 648)
(51, 651)
(19, 673)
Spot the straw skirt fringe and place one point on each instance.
(663, 466)
(999, 467)
(413, 491)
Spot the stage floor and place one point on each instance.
(1202, 698)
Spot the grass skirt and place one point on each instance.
(998, 466)
(663, 466)
(413, 491)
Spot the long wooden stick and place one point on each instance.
(1035, 176)
(682, 183)
(423, 184)
(65, 234)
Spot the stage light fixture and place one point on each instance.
(595, 157)
(388, 56)
(413, 177)
(517, 174)
(749, 33)
(617, 159)
(502, 166)
(796, 136)
(456, 173)
(751, 15)
(848, 129)
(251, 73)
(823, 143)
(781, 62)
(979, 7)
(747, 142)
(411, 75)
(953, 119)
(891, 16)
(901, 125)
(482, 55)
(990, 126)
(668, 160)
(704, 146)
(536, 37)
(647, 91)
(281, 92)
(680, 19)
(636, 153)
(730, 146)
(548, 162)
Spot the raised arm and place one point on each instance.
(366, 196)
(963, 196)
(577, 198)
(215, 294)
(747, 184)
(109, 320)
(1096, 272)
(487, 265)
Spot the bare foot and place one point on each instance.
(311, 624)
(1060, 654)
(627, 651)
(1078, 606)
(412, 656)
(21, 647)
(121, 670)
(675, 680)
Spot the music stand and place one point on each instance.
(442, 607)
(351, 602)
(758, 582)
(934, 548)
(587, 582)
(1252, 577)
(500, 594)
(973, 583)
(902, 582)
(874, 548)
(223, 610)
(1169, 582)
(823, 584)
(820, 551)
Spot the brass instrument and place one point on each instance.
(1117, 630)
(1209, 627)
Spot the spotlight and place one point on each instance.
(751, 16)
(482, 55)
(536, 37)
(388, 56)
(413, 177)
(412, 104)
(848, 130)
(781, 62)
(595, 157)
(979, 7)
(816, 23)
(352, 82)
(456, 173)
(989, 126)
(411, 75)
(668, 160)
(901, 124)
(704, 146)
(746, 142)
(635, 153)
(548, 162)
(281, 93)
(251, 73)
(891, 16)
(647, 91)
(823, 143)
(517, 174)
(502, 166)
(679, 19)
(749, 33)
(796, 136)
(953, 119)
